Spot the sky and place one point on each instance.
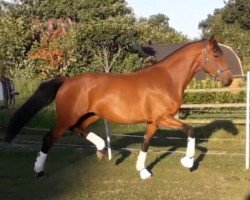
(184, 15)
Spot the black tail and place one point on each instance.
(43, 96)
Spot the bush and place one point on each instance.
(212, 97)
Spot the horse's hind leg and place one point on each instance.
(140, 164)
(48, 140)
(82, 130)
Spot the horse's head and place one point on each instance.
(214, 62)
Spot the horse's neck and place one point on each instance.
(182, 65)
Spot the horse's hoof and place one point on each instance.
(187, 162)
(100, 154)
(40, 174)
(145, 174)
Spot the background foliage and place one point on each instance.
(232, 24)
(42, 38)
(54, 38)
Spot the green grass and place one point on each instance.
(74, 173)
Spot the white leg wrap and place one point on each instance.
(188, 160)
(145, 174)
(190, 147)
(140, 164)
(40, 161)
(96, 140)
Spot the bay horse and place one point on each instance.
(151, 95)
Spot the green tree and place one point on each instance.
(55, 53)
(105, 43)
(159, 20)
(98, 40)
(237, 12)
(77, 10)
(231, 32)
(156, 30)
(15, 41)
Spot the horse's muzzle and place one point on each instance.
(226, 81)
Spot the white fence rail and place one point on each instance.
(247, 121)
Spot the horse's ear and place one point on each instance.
(213, 45)
(213, 39)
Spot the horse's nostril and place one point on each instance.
(227, 82)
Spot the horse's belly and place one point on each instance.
(123, 112)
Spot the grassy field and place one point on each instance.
(74, 173)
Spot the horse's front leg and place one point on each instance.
(140, 164)
(188, 160)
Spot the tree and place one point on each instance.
(227, 26)
(156, 30)
(97, 40)
(15, 40)
(105, 43)
(237, 12)
(77, 10)
(55, 52)
(76, 50)
(159, 20)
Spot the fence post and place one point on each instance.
(108, 139)
(247, 120)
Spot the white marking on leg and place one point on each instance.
(145, 174)
(40, 161)
(188, 160)
(96, 140)
(190, 147)
(140, 164)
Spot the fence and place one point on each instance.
(247, 121)
(231, 105)
(228, 105)
(206, 106)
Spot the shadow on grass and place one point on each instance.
(67, 166)
(205, 131)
